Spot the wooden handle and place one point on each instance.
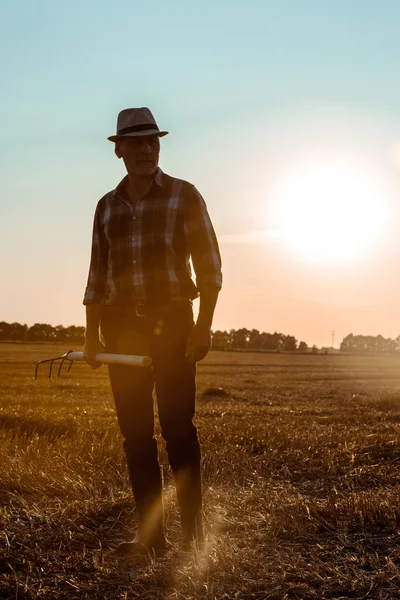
(115, 359)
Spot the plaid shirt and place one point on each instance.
(141, 254)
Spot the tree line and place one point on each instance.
(234, 339)
(240, 339)
(41, 332)
(369, 344)
(252, 339)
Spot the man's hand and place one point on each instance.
(199, 343)
(92, 347)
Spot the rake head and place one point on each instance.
(51, 361)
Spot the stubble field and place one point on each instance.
(301, 483)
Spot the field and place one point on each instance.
(301, 483)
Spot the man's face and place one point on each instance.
(140, 154)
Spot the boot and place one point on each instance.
(188, 491)
(147, 491)
(140, 545)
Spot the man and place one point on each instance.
(139, 295)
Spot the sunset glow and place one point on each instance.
(330, 213)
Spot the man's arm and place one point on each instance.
(93, 344)
(206, 258)
(95, 292)
(199, 342)
(208, 302)
(93, 317)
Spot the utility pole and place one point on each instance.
(333, 338)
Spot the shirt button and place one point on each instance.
(134, 218)
(134, 262)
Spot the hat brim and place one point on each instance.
(114, 138)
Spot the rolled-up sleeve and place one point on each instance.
(202, 242)
(95, 289)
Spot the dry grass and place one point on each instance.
(301, 474)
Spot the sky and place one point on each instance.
(284, 114)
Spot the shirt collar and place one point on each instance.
(120, 190)
(159, 178)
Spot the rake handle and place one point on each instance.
(114, 359)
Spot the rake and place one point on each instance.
(108, 359)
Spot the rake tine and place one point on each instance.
(40, 362)
(51, 361)
(51, 367)
(46, 360)
(70, 366)
(60, 367)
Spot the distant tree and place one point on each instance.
(255, 340)
(303, 347)
(41, 332)
(368, 344)
(264, 341)
(391, 346)
(5, 331)
(12, 331)
(347, 344)
(74, 334)
(18, 331)
(60, 333)
(314, 349)
(241, 339)
(220, 340)
(272, 341)
(289, 343)
(231, 338)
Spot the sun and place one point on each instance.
(329, 213)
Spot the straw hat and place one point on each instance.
(134, 122)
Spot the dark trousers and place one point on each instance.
(162, 334)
